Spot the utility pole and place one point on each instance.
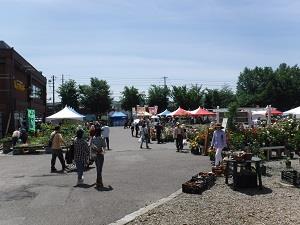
(52, 81)
(62, 79)
(53, 90)
(165, 81)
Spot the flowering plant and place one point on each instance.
(193, 145)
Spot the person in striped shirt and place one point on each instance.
(81, 151)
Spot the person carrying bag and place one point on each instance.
(97, 150)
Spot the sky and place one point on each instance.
(138, 42)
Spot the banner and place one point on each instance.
(31, 120)
(140, 110)
(153, 110)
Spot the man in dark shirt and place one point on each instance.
(158, 128)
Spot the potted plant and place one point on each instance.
(194, 147)
(211, 153)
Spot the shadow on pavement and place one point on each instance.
(84, 185)
(254, 191)
(108, 188)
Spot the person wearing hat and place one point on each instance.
(218, 142)
(178, 136)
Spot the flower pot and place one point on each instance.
(195, 151)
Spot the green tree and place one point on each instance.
(255, 87)
(69, 94)
(196, 95)
(180, 96)
(96, 96)
(187, 98)
(231, 115)
(263, 86)
(216, 97)
(158, 95)
(286, 93)
(130, 98)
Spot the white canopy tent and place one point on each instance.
(65, 113)
(295, 111)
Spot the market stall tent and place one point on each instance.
(118, 118)
(180, 112)
(65, 113)
(295, 111)
(164, 113)
(274, 112)
(202, 112)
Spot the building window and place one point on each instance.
(36, 92)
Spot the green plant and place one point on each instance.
(237, 141)
(211, 153)
(6, 139)
(254, 148)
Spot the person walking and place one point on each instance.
(97, 148)
(132, 128)
(137, 129)
(57, 141)
(178, 136)
(218, 142)
(81, 151)
(105, 133)
(158, 128)
(144, 136)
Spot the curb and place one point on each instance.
(130, 217)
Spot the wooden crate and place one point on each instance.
(290, 176)
(199, 183)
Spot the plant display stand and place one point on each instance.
(268, 151)
(19, 150)
(246, 179)
(243, 174)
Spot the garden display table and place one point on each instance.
(268, 151)
(245, 177)
(21, 149)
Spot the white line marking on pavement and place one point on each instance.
(128, 218)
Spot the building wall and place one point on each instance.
(14, 102)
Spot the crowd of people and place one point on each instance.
(89, 148)
(84, 150)
(141, 129)
(143, 126)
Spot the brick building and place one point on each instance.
(22, 87)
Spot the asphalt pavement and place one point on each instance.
(133, 178)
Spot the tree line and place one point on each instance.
(259, 86)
